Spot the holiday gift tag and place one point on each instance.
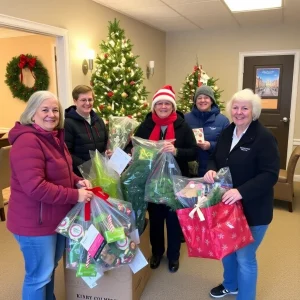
(93, 241)
(199, 135)
(139, 262)
(119, 160)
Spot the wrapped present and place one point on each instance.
(99, 173)
(120, 131)
(211, 228)
(99, 234)
(133, 179)
(159, 185)
(187, 189)
(214, 231)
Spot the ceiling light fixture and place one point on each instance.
(250, 5)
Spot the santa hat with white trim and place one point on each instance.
(166, 93)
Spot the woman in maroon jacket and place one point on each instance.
(43, 190)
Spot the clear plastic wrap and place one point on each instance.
(120, 131)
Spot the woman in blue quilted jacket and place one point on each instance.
(206, 114)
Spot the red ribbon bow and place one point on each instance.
(97, 191)
(25, 61)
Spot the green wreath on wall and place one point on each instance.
(14, 76)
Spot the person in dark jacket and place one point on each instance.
(84, 130)
(43, 191)
(161, 124)
(206, 114)
(250, 151)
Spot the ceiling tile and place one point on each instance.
(176, 2)
(142, 12)
(174, 24)
(202, 8)
(273, 16)
(209, 22)
(129, 4)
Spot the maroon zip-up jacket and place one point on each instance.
(42, 182)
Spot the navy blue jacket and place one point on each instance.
(254, 167)
(213, 123)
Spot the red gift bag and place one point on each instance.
(222, 230)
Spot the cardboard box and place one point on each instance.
(117, 284)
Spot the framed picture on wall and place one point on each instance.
(267, 84)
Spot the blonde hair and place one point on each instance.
(246, 95)
(34, 102)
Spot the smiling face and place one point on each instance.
(47, 114)
(163, 108)
(241, 113)
(84, 103)
(203, 103)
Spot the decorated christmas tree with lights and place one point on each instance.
(118, 79)
(192, 81)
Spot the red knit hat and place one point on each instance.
(165, 93)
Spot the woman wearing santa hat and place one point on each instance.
(164, 123)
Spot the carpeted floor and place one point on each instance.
(278, 257)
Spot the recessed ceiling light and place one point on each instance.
(248, 5)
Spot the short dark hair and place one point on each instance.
(81, 89)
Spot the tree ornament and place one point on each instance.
(110, 94)
(106, 55)
(124, 95)
(123, 60)
(109, 107)
(101, 106)
(14, 76)
(132, 82)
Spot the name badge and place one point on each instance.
(245, 149)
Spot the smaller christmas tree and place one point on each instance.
(118, 79)
(192, 82)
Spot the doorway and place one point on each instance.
(274, 76)
(64, 85)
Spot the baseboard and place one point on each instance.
(4, 129)
(297, 178)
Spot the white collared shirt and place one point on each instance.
(235, 138)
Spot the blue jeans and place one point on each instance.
(240, 267)
(41, 255)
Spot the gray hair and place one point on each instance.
(246, 95)
(34, 102)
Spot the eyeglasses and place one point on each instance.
(89, 100)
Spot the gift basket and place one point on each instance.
(99, 173)
(211, 228)
(133, 179)
(159, 185)
(99, 235)
(120, 131)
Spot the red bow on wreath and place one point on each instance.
(26, 62)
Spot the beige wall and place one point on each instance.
(87, 22)
(218, 52)
(37, 45)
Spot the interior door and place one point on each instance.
(271, 77)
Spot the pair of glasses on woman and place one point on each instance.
(89, 100)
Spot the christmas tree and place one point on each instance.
(118, 79)
(192, 82)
